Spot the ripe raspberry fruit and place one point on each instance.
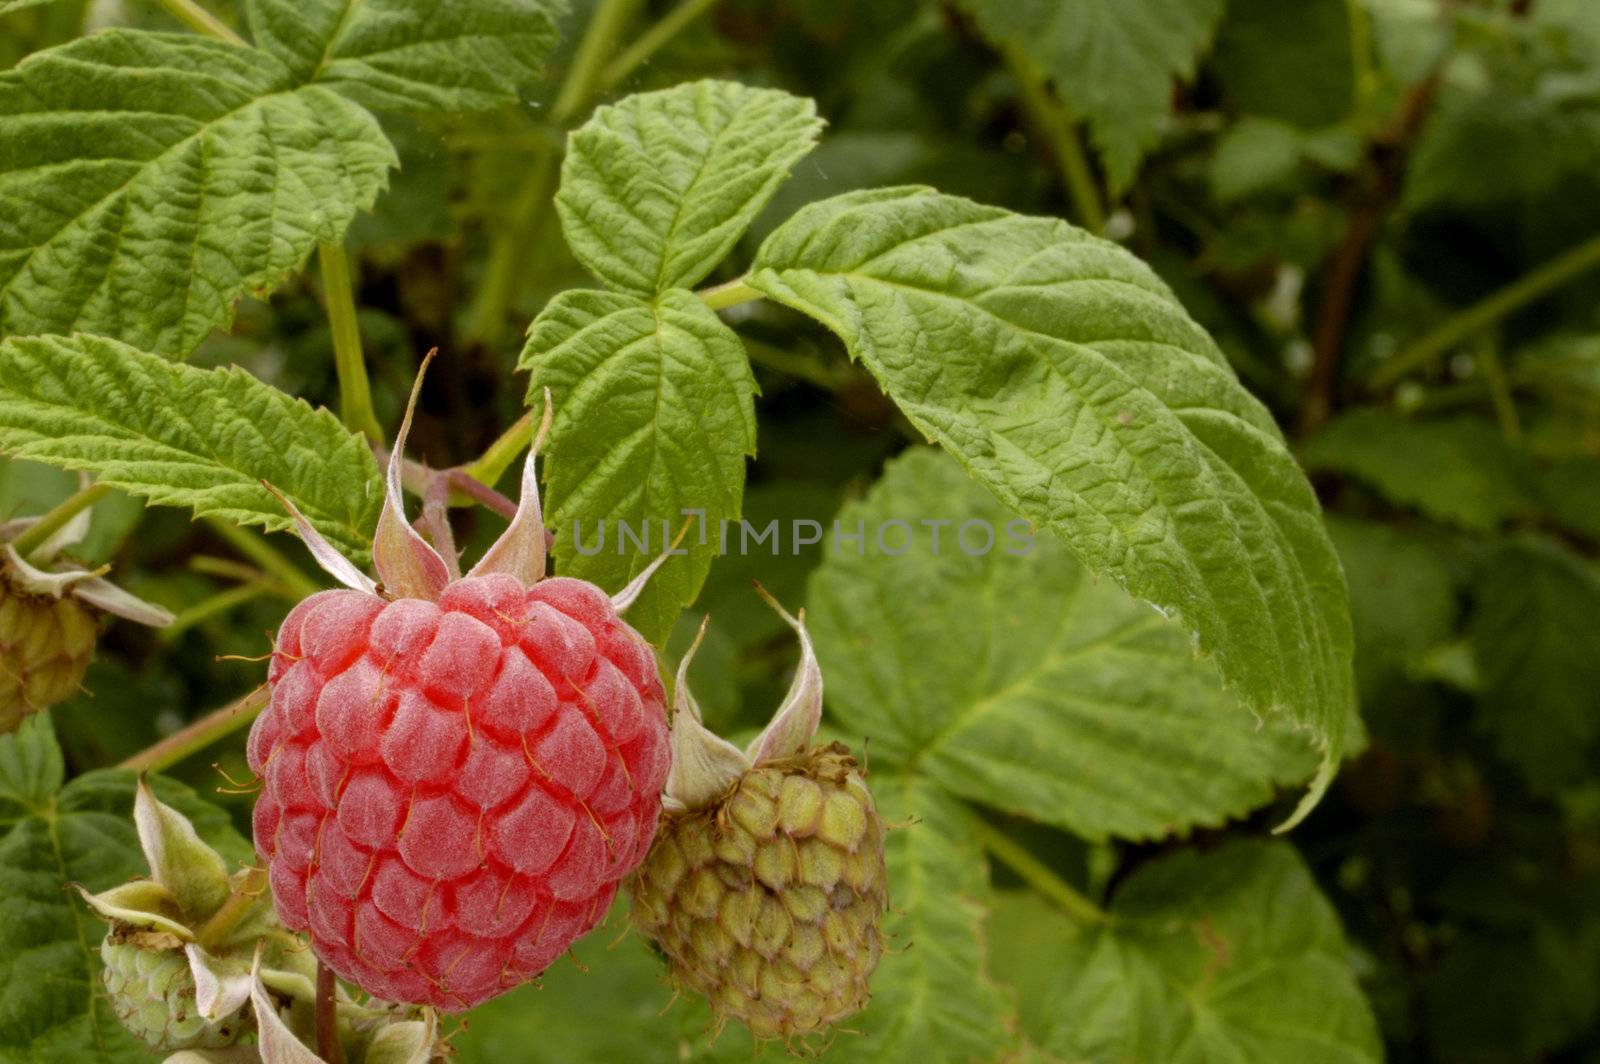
(458, 771)
(766, 885)
(152, 992)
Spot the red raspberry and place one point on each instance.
(455, 788)
(457, 771)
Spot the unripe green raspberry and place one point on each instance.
(45, 647)
(769, 902)
(152, 993)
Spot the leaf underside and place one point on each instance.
(1063, 375)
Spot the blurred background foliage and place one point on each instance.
(1385, 210)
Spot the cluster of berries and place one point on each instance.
(460, 771)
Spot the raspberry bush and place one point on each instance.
(1171, 423)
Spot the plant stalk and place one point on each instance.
(729, 294)
(1037, 874)
(355, 390)
(58, 517)
(652, 41)
(486, 322)
(216, 930)
(265, 555)
(1055, 124)
(1426, 350)
(490, 466)
(1505, 405)
(220, 603)
(200, 20)
(199, 734)
(327, 1015)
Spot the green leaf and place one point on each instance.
(1065, 377)
(181, 436)
(1457, 470)
(148, 180)
(412, 55)
(52, 1007)
(656, 189)
(1012, 677)
(1227, 956)
(1533, 635)
(1113, 61)
(655, 413)
(8, 6)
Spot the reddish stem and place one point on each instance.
(1382, 173)
(328, 1047)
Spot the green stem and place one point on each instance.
(1505, 407)
(801, 367)
(215, 931)
(600, 39)
(56, 519)
(269, 558)
(1486, 312)
(200, 20)
(491, 465)
(486, 322)
(730, 294)
(1037, 874)
(200, 734)
(220, 603)
(1056, 124)
(652, 41)
(355, 391)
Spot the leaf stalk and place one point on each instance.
(1037, 874)
(202, 21)
(355, 390)
(1486, 312)
(199, 734)
(57, 518)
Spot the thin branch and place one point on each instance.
(355, 390)
(200, 20)
(1054, 122)
(1461, 327)
(200, 734)
(1037, 874)
(273, 561)
(54, 521)
(652, 41)
(730, 294)
(328, 1047)
(1383, 172)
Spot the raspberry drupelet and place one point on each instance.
(458, 770)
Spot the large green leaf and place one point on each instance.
(148, 180)
(1064, 375)
(412, 55)
(657, 188)
(1113, 61)
(655, 414)
(52, 1007)
(182, 436)
(1533, 634)
(1017, 680)
(1227, 956)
